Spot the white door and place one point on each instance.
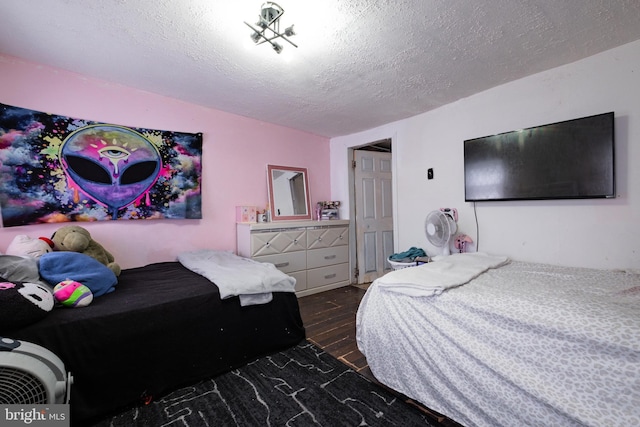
(374, 213)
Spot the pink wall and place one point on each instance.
(236, 151)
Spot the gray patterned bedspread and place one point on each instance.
(521, 345)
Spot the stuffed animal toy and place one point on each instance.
(23, 303)
(23, 245)
(73, 238)
(462, 242)
(72, 294)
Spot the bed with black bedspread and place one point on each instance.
(164, 326)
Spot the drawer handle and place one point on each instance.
(330, 276)
(330, 257)
(282, 264)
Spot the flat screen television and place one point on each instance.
(573, 159)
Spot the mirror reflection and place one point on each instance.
(288, 193)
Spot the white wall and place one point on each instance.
(591, 233)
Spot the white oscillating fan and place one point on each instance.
(439, 227)
(31, 375)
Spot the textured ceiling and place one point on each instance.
(360, 63)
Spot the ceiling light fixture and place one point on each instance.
(269, 27)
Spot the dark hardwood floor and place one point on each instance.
(330, 321)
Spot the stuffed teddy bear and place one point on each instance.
(73, 238)
(23, 245)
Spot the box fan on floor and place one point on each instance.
(31, 375)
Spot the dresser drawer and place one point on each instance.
(326, 275)
(327, 256)
(277, 242)
(301, 280)
(294, 261)
(325, 237)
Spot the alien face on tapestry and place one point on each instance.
(57, 169)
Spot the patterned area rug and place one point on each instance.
(301, 386)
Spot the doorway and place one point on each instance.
(373, 201)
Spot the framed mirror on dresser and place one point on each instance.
(288, 193)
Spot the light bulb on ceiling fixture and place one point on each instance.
(256, 37)
(289, 31)
(277, 47)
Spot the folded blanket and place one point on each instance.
(58, 266)
(236, 276)
(443, 273)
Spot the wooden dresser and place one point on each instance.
(316, 253)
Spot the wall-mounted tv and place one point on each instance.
(573, 159)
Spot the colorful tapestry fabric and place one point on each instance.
(57, 169)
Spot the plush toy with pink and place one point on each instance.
(23, 245)
(23, 303)
(462, 243)
(72, 294)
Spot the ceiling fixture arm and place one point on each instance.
(262, 38)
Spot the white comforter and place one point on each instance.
(252, 281)
(444, 273)
(520, 345)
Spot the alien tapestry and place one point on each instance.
(57, 169)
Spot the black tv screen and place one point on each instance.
(573, 159)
